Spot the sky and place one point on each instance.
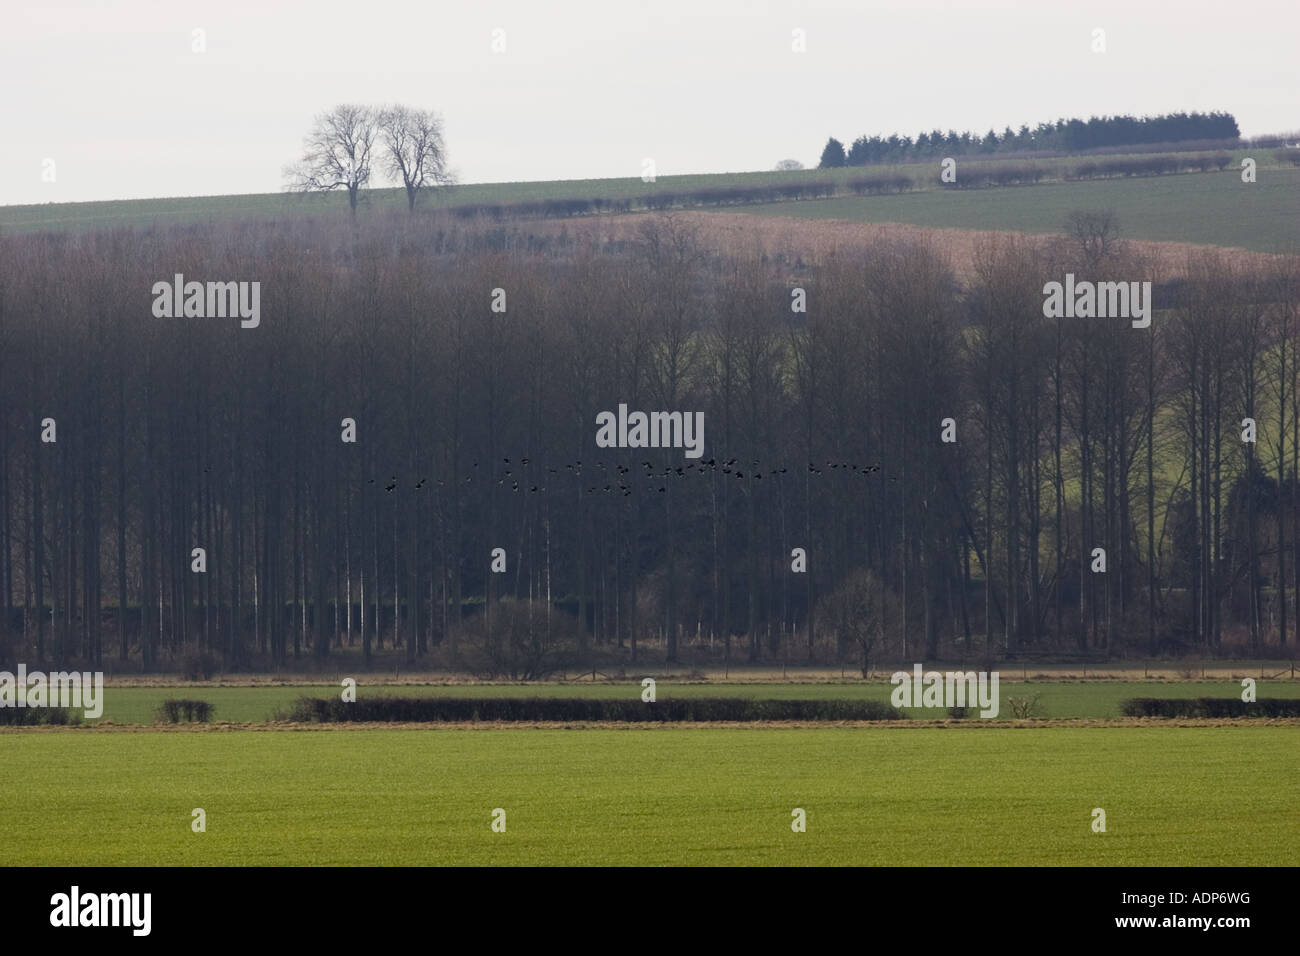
(123, 100)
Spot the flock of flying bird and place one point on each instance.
(619, 484)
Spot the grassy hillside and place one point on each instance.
(1214, 207)
(269, 205)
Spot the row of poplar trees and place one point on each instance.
(473, 363)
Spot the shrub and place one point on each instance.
(566, 207)
(1144, 166)
(875, 185)
(660, 201)
(518, 646)
(34, 716)
(1217, 707)
(175, 710)
(1025, 707)
(730, 195)
(478, 210)
(610, 205)
(973, 176)
(435, 709)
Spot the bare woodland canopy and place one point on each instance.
(476, 430)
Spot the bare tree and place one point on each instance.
(477, 432)
(1095, 232)
(415, 151)
(337, 153)
(858, 609)
(1286, 285)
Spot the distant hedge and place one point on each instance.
(662, 199)
(31, 716)
(971, 176)
(873, 185)
(1209, 707)
(435, 709)
(1148, 166)
(178, 710)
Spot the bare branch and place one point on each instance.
(337, 153)
(415, 151)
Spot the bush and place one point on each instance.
(436, 709)
(1023, 708)
(566, 207)
(1149, 166)
(661, 201)
(972, 176)
(730, 195)
(1217, 707)
(183, 710)
(875, 185)
(478, 210)
(34, 716)
(518, 645)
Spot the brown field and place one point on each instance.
(813, 240)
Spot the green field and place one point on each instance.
(1188, 796)
(1215, 208)
(1211, 208)
(143, 212)
(135, 705)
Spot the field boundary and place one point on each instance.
(1042, 723)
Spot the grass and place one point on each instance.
(135, 705)
(1176, 796)
(137, 212)
(1211, 208)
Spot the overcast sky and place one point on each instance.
(113, 93)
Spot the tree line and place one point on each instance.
(1072, 135)
(401, 457)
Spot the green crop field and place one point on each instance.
(1186, 796)
(1214, 208)
(1210, 208)
(1057, 699)
(143, 212)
